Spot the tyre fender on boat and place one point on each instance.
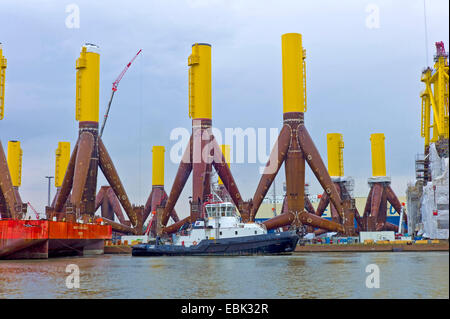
(194, 243)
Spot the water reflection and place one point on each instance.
(316, 275)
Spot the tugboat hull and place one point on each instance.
(267, 244)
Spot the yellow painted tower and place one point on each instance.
(62, 157)
(294, 82)
(2, 82)
(378, 155)
(199, 63)
(226, 153)
(158, 166)
(87, 84)
(335, 146)
(15, 162)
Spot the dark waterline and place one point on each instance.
(313, 275)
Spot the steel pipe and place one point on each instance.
(120, 228)
(82, 163)
(319, 169)
(315, 221)
(6, 187)
(108, 169)
(382, 212)
(277, 156)
(66, 186)
(323, 204)
(115, 204)
(377, 193)
(184, 169)
(393, 199)
(294, 165)
(176, 226)
(224, 172)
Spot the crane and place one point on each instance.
(114, 89)
(35, 212)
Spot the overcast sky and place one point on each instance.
(363, 77)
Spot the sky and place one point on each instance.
(363, 67)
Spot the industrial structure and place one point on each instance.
(2, 82)
(11, 205)
(89, 153)
(220, 189)
(434, 120)
(59, 233)
(375, 212)
(62, 157)
(293, 147)
(158, 196)
(344, 184)
(202, 151)
(72, 211)
(428, 197)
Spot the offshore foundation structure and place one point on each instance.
(71, 227)
(428, 197)
(294, 147)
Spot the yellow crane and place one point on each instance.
(435, 99)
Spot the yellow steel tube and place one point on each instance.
(15, 162)
(335, 146)
(441, 96)
(158, 165)
(427, 121)
(62, 157)
(87, 84)
(293, 73)
(378, 155)
(2, 82)
(199, 63)
(436, 127)
(226, 153)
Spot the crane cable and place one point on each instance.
(426, 32)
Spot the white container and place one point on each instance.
(376, 235)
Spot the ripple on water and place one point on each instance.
(316, 275)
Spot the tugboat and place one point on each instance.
(221, 233)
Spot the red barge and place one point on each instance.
(41, 239)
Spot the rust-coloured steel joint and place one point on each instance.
(82, 163)
(175, 226)
(113, 179)
(319, 169)
(276, 159)
(66, 186)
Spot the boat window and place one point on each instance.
(235, 232)
(209, 211)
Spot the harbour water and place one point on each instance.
(311, 275)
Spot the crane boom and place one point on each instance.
(114, 89)
(34, 210)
